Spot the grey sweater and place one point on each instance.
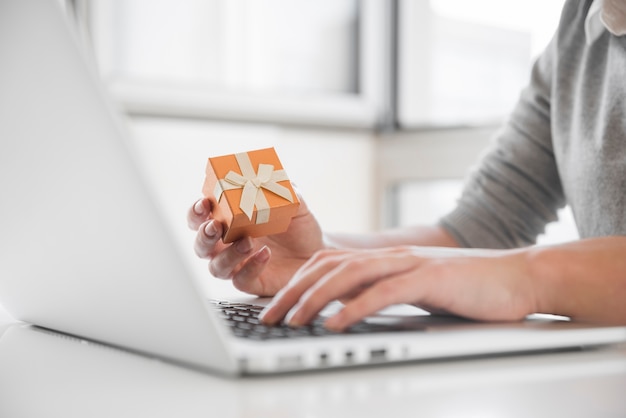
(564, 143)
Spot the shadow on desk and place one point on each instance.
(43, 374)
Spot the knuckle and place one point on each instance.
(202, 248)
(388, 290)
(217, 268)
(329, 254)
(194, 220)
(355, 266)
(198, 251)
(213, 269)
(321, 255)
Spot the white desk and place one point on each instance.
(5, 320)
(45, 375)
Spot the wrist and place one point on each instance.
(544, 272)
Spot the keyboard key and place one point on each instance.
(243, 320)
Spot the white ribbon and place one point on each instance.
(252, 184)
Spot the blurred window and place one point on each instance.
(274, 46)
(302, 61)
(465, 62)
(354, 63)
(423, 202)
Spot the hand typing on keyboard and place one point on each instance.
(243, 321)
(305, 270)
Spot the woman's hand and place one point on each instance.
(260, 266)
(477, 284)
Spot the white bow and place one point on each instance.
(252, 183)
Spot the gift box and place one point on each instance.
(251, 194)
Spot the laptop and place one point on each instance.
(85, 251)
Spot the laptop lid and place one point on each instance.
(83, 248)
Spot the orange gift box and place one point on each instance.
(251, 194)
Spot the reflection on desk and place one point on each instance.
(5, 319)
(44, 374)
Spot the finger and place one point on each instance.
(356, 273)
(207, 239)
(399, 289)
(224, 264)
(246, 278)
(316, 267)
(352, 294)
(198, 213)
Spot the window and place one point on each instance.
(465, 62)
(351, 63)
(321, 62)
(424, 202)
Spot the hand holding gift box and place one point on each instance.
(251, 194)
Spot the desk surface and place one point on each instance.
(44, 374)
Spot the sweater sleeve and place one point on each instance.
(515, 190)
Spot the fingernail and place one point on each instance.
(333, 323)
(267, 316)
(262, 255)
(263, 313)
(244, 246)
(198, 208)
(293, 319)
(210, 229)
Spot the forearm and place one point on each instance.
(428, 236)
(585, 280)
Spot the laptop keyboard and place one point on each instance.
(243, 321)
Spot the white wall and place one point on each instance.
(332, 168)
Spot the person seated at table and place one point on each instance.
(564, 144)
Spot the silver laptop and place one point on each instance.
(84, 250)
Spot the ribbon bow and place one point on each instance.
(252, 184)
